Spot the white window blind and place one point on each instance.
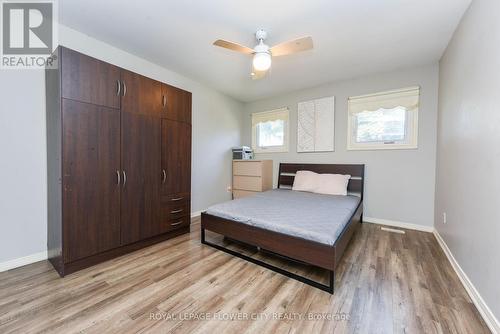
(386, 120)
(270, 131)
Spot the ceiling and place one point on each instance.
(351, 37)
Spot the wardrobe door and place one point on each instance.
(141, 108)
(187, 104)
(176, 157)
(176, 104)
(91, 160)
(89, 80)
(141, 176)
(140, 95)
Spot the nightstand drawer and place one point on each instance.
(252, 183)
(243, 193)
(247, 168)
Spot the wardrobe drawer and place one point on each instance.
(176, 198)
(175, 210)
(178, 223)
(248, 168)
(252, 183)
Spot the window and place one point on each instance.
(387, 120)
(270, 131)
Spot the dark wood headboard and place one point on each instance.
(287, 171)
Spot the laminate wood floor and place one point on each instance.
(386, 283)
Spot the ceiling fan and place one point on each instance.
(262, 53)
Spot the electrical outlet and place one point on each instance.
(444, 218)
(229, 189)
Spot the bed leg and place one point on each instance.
(202, 235)
(332, 281)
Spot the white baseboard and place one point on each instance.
(196, 213)
(394, 223)
(482, 307)
(22, 261)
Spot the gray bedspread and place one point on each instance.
(310, 216)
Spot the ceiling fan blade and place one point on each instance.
(256, 75)
(294, 46)
(233, 46)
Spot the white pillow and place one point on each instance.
(304, 181)
(331, 184)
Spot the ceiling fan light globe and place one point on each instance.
(262, 61)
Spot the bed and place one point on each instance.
(305, 227)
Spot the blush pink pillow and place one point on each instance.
(304, 181)
(332, 184)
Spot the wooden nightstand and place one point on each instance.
(251, 176)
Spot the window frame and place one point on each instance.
(408, 98)
(259, 117)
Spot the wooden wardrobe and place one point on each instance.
(119, 161)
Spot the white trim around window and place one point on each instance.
(258, 118)
(402, 105)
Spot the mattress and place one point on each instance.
(315, 217)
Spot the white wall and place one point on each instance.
(217, 121)
(468, 165)
(399, 184)
(23, 164)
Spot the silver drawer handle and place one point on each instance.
(177, 199)
(164, 101)
(164, 176)
(124, 88)
(177, 211)
(124, 178)
(178, 223)
(119, 87)
(118, 181)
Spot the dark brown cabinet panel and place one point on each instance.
(89, 80)
(176, 104)
(91, 206)
(142, 176)
(169, 225)
(176, 156)
(141, 95)
(175, 206)
(188, 100)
